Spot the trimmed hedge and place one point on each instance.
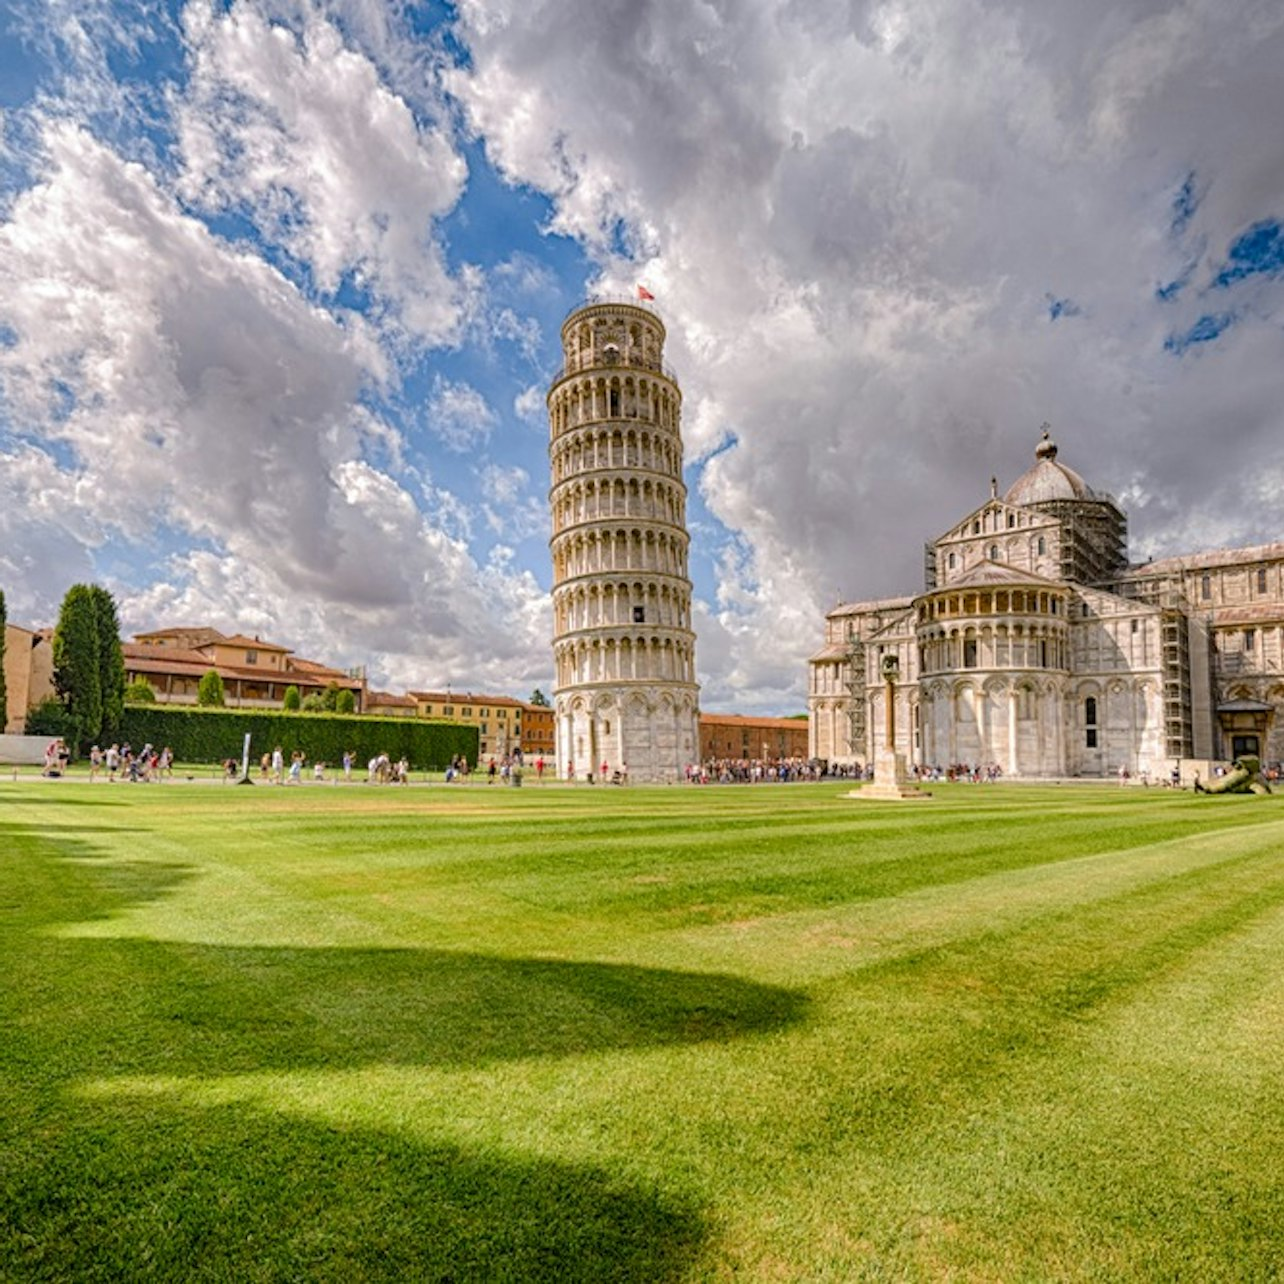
(213, 735)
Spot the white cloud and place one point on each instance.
(291, 127)
(512, 512)
(854, 217)
(529, 404)
(180, 385)
(459, 415)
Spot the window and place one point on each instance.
(502, 714)
(1249, 638)
(1205, 587)
(466, 711)
(1011, 520)
(251, 657)
(1261, 579)
(1090, 721)
(639, 615)
(976, 528)
(485, 713)
(1042, 546)
(994, 552)
(428, 710)
(448, 710)
(485, 730)
(606, 728)
(953, 561)
(1134, 626)
(969, 653)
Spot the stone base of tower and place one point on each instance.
(647, 735)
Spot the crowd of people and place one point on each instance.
(116, 762)
(755, 771)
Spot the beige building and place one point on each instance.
(498, 719)
(623, 647)
(1036, 647)
(28, 673)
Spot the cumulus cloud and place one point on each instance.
(294, 130)
(459, 415)
(856, 220)
(165, 381)
(511, 510)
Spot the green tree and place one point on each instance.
(77, 676)
(292, 700)
(210, 690)
(330, 697)
(345, 702)
(111, 662)
(4, 695)
(314, 703)
(539, 698)
(140, 691)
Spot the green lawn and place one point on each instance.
(766, 1033)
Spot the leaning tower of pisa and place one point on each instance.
(625, 693)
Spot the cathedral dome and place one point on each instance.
(1048, 480)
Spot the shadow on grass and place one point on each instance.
(230, 1193)
(146, 1187)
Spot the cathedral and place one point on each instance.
(1037, 648)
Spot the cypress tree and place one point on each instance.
(4, 694)
(111, 663)
(76, 662)
(291, 699)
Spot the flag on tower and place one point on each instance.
(644, 293)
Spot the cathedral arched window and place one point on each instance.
(1090, 721)
(1042, 546)
(994, 552)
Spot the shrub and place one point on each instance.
(291, 701)
(52, 718)
(209, 692)
(345, 702)
(140, 691)
(212, 735)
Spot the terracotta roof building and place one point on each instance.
(255, 673)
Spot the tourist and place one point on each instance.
(95, 762)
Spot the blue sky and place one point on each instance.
(281, 284)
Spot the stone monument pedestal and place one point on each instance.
(891, 783)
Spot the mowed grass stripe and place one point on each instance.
(1026, 1035)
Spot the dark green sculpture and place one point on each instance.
(1244, 777)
